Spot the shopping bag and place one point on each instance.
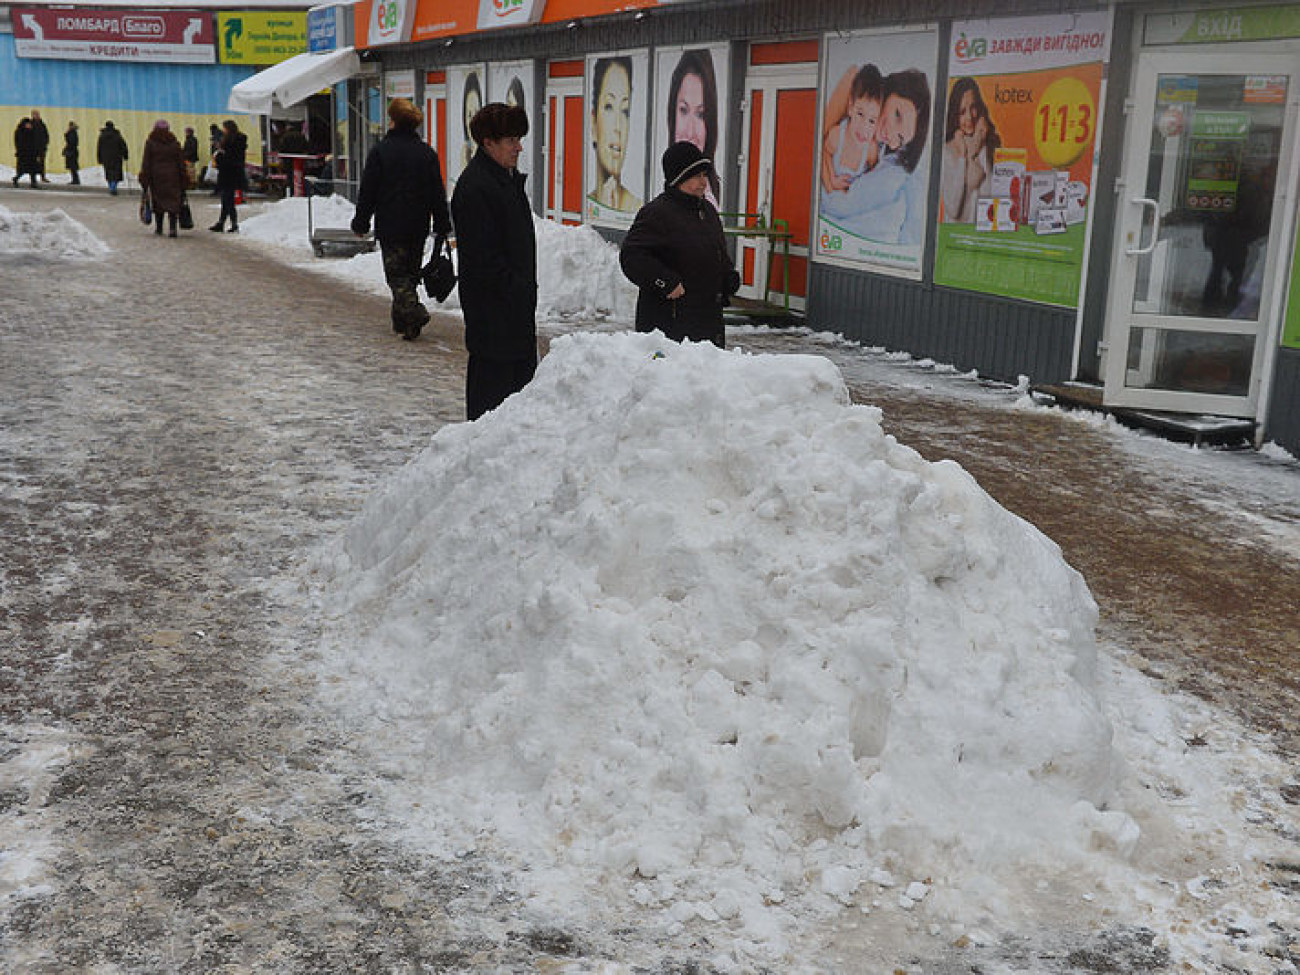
(146, 208)
(210, 173)
(187, 217)
(439, 275)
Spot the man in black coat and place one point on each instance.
(676, 254)
(25, 152)
(401, 187)
(498, 261)
(42, 142)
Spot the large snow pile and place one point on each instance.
(688, 620)
(578, 274)
(51, 235)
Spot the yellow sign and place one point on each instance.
(259, 36)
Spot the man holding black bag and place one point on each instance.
(402, 189)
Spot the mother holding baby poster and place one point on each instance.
(877, 96)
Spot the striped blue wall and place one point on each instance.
(196, 89)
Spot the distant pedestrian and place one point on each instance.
(231, 175)
(26, 162)
(401, 187)
(676, 254)
(498, 261)
(162, 176)
(42, 143)
(190, 149)
(111, 153)
(72, 152)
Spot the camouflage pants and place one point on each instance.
(402, 263)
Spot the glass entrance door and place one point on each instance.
(1200, 238)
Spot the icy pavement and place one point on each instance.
(187, 783)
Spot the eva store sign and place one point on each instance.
(508, 13)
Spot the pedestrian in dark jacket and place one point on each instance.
(676, 254)
(25, 158)
(231, 174)
(42, 143)
(72, 152)
(401, 188)
(111, 153)
(498, 261)
(190, 150)
(162, 175)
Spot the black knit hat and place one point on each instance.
(683, 160)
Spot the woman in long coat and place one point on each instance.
(676, 254)
(26, 152)
(72, 152)
(111, 153)
(162, 176)
(231, 174)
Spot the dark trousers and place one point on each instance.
(228, 207)
(171, 222)
(402, 263)
(489, 381)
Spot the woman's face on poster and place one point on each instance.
(968, 113)
(689, 122)
(613, 119)
(897, 122)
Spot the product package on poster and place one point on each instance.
(1020, 123)
(877, 93)
(617, 100)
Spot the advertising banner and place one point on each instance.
(95, 34)
(1225, 24)
(690, 83)
(512, 82)
(466, 94)
(617, 99)
(1020, 130)
(261, 37)
(877, 92)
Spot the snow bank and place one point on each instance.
(53, 235)
(689, 620)
(577, 270)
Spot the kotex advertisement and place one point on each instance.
(877, 94)
(1019, 128)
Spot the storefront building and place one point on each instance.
(131, 64)
(1101, 195)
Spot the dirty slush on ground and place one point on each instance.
(181, 424)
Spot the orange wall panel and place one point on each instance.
(574, 152)
(784, 52)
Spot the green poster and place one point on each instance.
(1019, 263)
(1291, 327)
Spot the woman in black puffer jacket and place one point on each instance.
(676, 254)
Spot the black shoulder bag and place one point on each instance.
(439, 275)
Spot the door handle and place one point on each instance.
(1144, 202)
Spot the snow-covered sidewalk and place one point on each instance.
(678, 658)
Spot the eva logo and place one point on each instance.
(508, 13)
(831, 242)
(967, 50)
(390, 21)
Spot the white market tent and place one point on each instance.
(292, 81)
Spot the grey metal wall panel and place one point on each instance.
(1283, 422)
(1000, 339)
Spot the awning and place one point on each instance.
(292, 81)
